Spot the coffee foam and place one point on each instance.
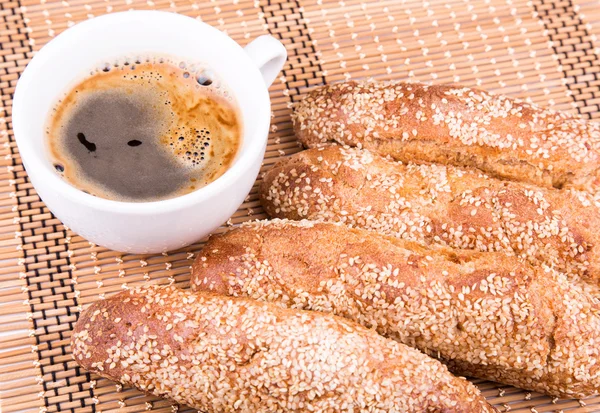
(187, 143)
(198, 125)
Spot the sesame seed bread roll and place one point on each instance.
(221, 354)
(485, 315)
(454, 125)
(438, 204)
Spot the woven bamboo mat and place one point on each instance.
(543, 50)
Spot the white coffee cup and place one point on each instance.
(146, 227)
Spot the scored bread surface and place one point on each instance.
(455, 125)
(437, 204)
(222, 354)
(486, 315)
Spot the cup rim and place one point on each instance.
(245, 158)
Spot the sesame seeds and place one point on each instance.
(458, 126)
(250, 356)
(486, 315)
(437, 204)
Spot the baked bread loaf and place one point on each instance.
(486, 315)
(455, 125)
(437, 204)
(222, 354)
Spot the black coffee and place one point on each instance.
(144, 131)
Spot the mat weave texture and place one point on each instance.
(546, 51)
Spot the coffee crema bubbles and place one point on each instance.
(144, 130)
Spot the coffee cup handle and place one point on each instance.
(268, 54)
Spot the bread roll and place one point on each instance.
(486, 315)
(455, 125)
(221, 354)
(437, 204)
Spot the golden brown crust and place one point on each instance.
(455, 125)
(486, 315)
(437, 204)
(222, 354)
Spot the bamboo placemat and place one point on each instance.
(543, 50)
